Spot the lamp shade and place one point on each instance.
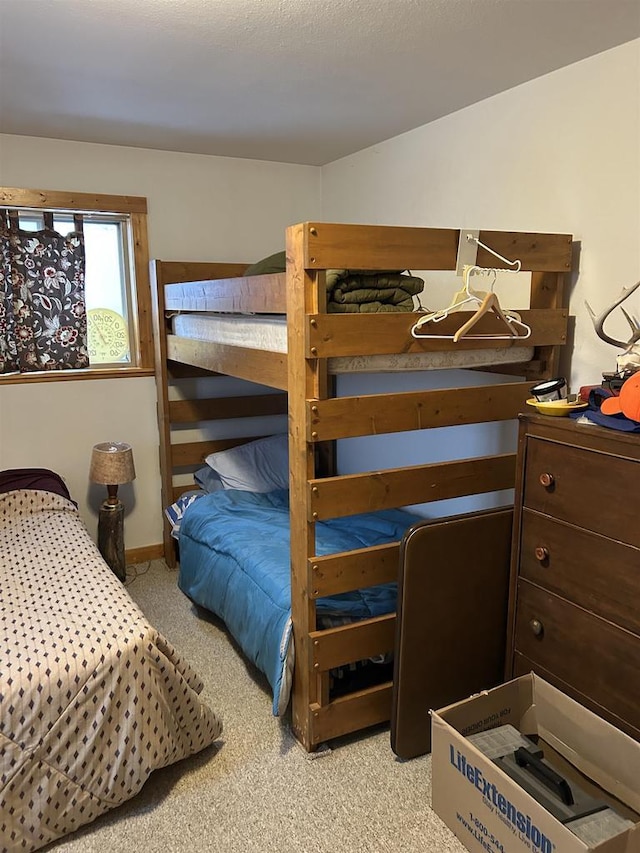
(112, 463)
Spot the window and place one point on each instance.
(117, 292)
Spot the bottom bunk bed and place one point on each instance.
(93, 698)
(292, 375)
(234, 561)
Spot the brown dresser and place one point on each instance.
(574, 604)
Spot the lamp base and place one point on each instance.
(111, 537)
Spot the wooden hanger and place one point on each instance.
(490, 303)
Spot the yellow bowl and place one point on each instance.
(556, 408)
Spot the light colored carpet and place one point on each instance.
(257, 790)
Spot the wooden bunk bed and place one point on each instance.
(317, 418)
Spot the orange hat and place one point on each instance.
(628, 401)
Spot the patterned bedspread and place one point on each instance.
(92, 697)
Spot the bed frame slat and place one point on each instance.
(193, 453)
(242, 362)
(387, 413)
(350, 713)
(336, 497)
(222, 408)
(330, 246)
(335, 647)
(331, 335)
(265, 294)
(357, 569)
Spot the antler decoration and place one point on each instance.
(598, 322)
(629, 359)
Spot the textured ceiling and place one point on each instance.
(297, 81)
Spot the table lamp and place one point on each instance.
(112, 465)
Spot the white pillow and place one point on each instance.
(258, 466)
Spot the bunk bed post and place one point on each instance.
(162, 404)
(547, 291)
(307, 379)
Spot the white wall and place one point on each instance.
(558, 154)
(200, 208)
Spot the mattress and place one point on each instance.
(235, 562)
(92, 697)
(269, 332)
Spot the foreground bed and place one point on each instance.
(317, 344)
(92, 697)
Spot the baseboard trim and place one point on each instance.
(140, 555)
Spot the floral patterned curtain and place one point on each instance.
(43, 321)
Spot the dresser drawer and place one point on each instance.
(593, 490)
(590, 654)
(597, 573)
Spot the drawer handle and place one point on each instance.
(542, 554)
(546, 480)
(536, 627)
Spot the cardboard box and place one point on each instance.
(489, 812)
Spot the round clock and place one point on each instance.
(108, 335)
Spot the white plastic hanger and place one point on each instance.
(471, 238)
(466, 296)
(484, 300)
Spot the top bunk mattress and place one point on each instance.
(269, 332)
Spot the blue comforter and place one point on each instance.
(234, 561)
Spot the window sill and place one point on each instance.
(76, 375)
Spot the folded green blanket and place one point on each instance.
(353, 291)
